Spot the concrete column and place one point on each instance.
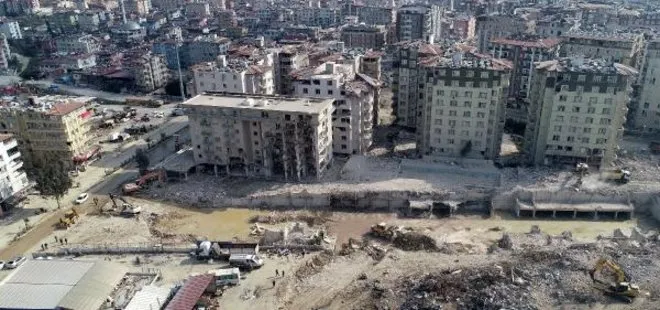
(533, 214)
(574, 214)
(616, 215)
(215, 170)
(595, 215)
(554, 214)
(185, 176)
(227, 169)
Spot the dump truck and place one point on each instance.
(618, 286)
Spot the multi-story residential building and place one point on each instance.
(5, 53)
(418, 22)
(352, 121)
(128, 33)
(167, 5)
(287, 60)
(318, 17)
(553, 27)
(49, 130)
(139, 7)
(68, 63)
(372, 15)
(89, 21)
(244, 70)
(578, 108)
(620, 47)
(407, 75)
(63, 22)
(198, 9)
(492, 26)
(13, 178)
(11, 30)
(523, 52)
(644, 114)
(363, 36)
(20, 7)
(78, 44)
(267, 136)
(194, 51)
(150, 70)
(463, 106)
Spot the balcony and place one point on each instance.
(13, 154)
(15, 165)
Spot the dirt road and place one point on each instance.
(43, 229)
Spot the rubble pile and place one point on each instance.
(311, 218)
(414, 241)
(489, 287)
(315, 265)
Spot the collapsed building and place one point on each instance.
(269, 136)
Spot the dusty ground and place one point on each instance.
(332, 281)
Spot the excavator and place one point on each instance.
(68, 219)
(127, 209)
(151, 176)
(621, 287)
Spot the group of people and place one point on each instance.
(62, 241)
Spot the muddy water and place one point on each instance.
(214, 224)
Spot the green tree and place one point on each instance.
(52, 179)
(142, 160)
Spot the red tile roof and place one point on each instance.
(190, 292)
(66, 108)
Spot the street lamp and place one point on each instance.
(178, 62)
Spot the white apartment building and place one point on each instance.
(624, 48)
(234, 73)
(492, 26)
(419, 22)
(11, 29)
(578, 108)
(5, 53)
(464, 104)
(79, 44)
(267, 136)
(645, 114)
(12, 177)
(352, 120)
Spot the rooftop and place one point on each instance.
(585, 65)
(52, 284)
(190, 292)
(621, 36)
(255, 102)
(530, 43)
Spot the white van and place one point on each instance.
(226, 276)
(246, 261)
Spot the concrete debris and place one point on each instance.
(505, 242)
(567, 235)
(310, 218)
(618, 234)
(414, 241)
(535, 230)
(638, 236)
(315, 265)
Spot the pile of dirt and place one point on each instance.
(315, 265)
(413, 241)
(489, 287)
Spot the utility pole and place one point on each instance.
(178, 62)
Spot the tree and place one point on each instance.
(142, 159)
(52, 179)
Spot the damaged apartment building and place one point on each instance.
(244, 69)
(462, 106)
(149, 69)
(353, 95)
(578, 108)
(262, 136)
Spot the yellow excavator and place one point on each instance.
(619, 288)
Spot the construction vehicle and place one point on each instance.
(621, 176)
(127, 209)
(383, 231)
(68, 219)
(149, 177)
(620, 287)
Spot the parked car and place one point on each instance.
(17, 261)
(2, 264)
(159, 114)
(82, 198)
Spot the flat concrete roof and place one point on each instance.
(264, 103)
(581, 207)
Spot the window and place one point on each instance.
(438, 131)
(606, 111)
(452, 123)
(440, 92)
(317, 91)
(602, 131)
(451, 132)
(563, 98)
(482, 104)
(329, 83)
(574, 119)
(605, 121)
(466, 114)
(438, 122)
(570, 138)
(439, 112)
(582, 78)
(467, 104)
(316, 82)
(589, 120)
(453, 103)
(598, 78)
(480, 124)
(466, 123)
(601, 141)
(572, 129)
(456, 73)
(453, 93)
(555, 138)
(585, 140)
(591, 110)
(586, 130)
(452, 113)
(468, 94)
(450, 141)
(470, 73)
(577, 99)
(557, 128)
(478, 134)
(329, 91)
(576, 109)
(483, 95)
(646, 105)
(481, 114)
(484, 75)
(559, 118)
(561, 108)
(608, 101)
(305, 91)
(465, 133)
(593, 100)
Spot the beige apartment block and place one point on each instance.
(266, 136)
(150, 71)
(55, 131)
(645, 113)
(463, 114)
(578, 108)
(354, 95)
